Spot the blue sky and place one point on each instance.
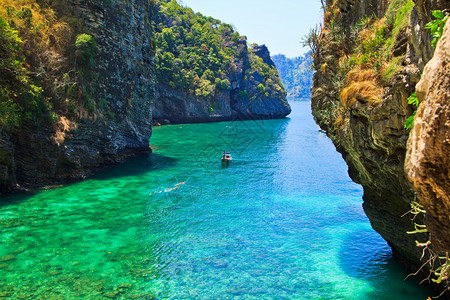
(280, 24)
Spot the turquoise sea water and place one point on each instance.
(282, 221)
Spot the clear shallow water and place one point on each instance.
(283, 221)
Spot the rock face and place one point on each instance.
(124, 84)
(364, 113)
(207, 72)
(112, 104)
(175, 106)
(263, 52)
(243, 100)
(428, 158)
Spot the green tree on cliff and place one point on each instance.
(197, 54)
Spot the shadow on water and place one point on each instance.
(13, 199)
(224, 164)
(132, 167)
(365, 255)
(135, 166)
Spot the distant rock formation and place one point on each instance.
(244, 100)
(296, 74)
(206, 71)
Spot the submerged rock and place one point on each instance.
(111, 294)
(7, 258)
(218, 263)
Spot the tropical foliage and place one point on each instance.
(13, 77)
(369, 53)
(413, 101)
(436, 26)
(47, 62)
(200, 55)
(37, 75)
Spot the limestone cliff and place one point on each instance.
(79, 93)
(369, 57)
(242, 100)
(111, 118)
(207, 72)
(428, 156)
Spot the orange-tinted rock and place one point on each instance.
(428, 157)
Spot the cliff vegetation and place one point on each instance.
(61, 96)
(47, 63)
(428, 152)
(207, 61)
(82, 81)
(32, 47)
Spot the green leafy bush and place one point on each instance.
(261, 88)
(86, 48)
(414, 101)
(437, 26)
(14, 81)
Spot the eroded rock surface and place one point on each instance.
(122, 80)
(369, 133)
(242, 101)
(428, 157)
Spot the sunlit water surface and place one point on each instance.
(282, 221)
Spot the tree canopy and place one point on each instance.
(200, 54)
